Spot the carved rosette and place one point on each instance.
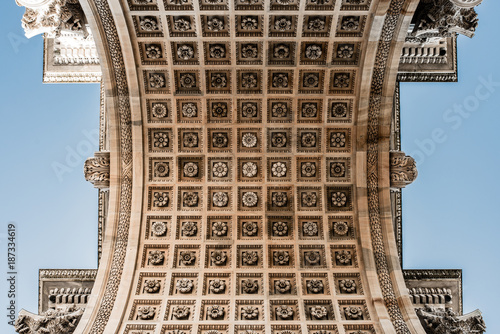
(50, 322)
(440, 321)
(403, 169)
(96, 170)
(50, 17)
(443, 18)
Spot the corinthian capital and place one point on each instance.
(442, 18)
(51, 17)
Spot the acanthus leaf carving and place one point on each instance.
(440, 321)
(97, 169)
(403, 169)
(443, 18)
(51, 17)
(50, 322)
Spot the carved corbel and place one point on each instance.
(50, 17)
(97, 169)
(440, 321)
(50, 322)
(403, 169)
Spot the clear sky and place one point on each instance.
(451, 217)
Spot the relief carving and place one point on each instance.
(443, 18)
(403, 169)
(50, 322)
(96, 170)
(51, 17)
(440, 321)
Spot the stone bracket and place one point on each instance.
(403, 169)
(97, 169)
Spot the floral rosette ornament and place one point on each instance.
(220, 199)
(159, 228)
(315, 285)
(220, 229)
(152, 285)
(353, 313)
(250, 312)
(184, 285)
(249, 140)
(249, 169)
(220, 169)
(219, 258)
(249, 258)
(283, 286)
(312, 258)
(156, 257)
(217, 51)
(181, 311)
(161, 139)
(309, 199)
(339, 199)
(185, 52)
(319, 312)
(190, 199)
(310, 229)
(250, 199)
(217, 286)
(153, 51)
(159, 110)
(249, 110)
(187, 258)
(278, 169)
(249, 285)
(189, 229)
(347, 285)
(280, 228)
(284, 311)
(189, 110)
(161, 169)
(344, 257)
(250, 228)
(146, 312)
(280, 199)
(340, 228)
(281, 258)
(215, 311)
(161, 199)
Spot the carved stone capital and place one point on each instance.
(403, 169)
(440, 321)
(50, 322)
(443, 18)
(96, 170)
(50, 17)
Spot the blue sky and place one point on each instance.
(451, 217)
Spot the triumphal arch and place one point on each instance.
(249, 168)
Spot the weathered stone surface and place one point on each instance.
(50, 322)
(441, 321)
